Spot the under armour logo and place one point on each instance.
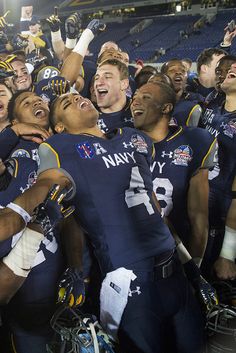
(126, 145)
(127, 120)
(170, 154)
(223, 125)
(137, 290)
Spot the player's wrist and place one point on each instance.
(83, 43)
(228, 250)
(56, 36)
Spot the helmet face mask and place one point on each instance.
(221, 329)
(77, 333)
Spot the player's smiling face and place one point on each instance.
(108, 86)
(23, 79)
(221, 71)
(30, 108)
(229, 84)
(146, 106)
(178, 75)
(75, 113)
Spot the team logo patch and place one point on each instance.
(32, 178)
(20, 153)
(182, 155)
(230, 128)
(85, 150)
(139, 143)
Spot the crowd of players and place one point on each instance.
(146, 159)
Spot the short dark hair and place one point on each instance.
(227, 58)
(124, 73)
(144, 74)
(168, 94)
(169, 63)
(205, 56)
(11, 104)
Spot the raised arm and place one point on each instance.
(13, 221)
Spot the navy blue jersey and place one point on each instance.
(119, 216)
(34, 303)
(23, 177)
(13, 146)
(110, 121)
(186, 113)
(213, 103)
(214, 99)
(222, 125)
(88, 71)
(179, 157)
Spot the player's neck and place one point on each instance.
(159, 131)
(116, 107)
(230, 103)
(205, 81)
(95, 131)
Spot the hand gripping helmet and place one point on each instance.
(78, 333)
(221, 329)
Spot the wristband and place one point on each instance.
(21, 258)
(183, 253)
(21, 212)
(56, 36)
(83, 42)
(228, 250)
(70, 43)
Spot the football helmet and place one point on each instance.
(221, 329)
(78, 333)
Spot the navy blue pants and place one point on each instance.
(164, 317)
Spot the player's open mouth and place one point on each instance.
(102, 92)
(1, 107)
(178, 79)
(137, 112)
(231, 75)
(39, 113)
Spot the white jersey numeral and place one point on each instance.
(137, 194)
(164, 191)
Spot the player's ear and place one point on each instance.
(167, 108)
(204, 68)
(59, 128)
(124, 84)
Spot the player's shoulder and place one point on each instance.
(129, 131)
(200, 136)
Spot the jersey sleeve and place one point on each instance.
(194, 116)
(211, 157)
(8, 140)
(50, 159)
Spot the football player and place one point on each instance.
(206, 65)
(180, 168)
(120, 215)
(221, 124)
(111, 83)
(187, 111)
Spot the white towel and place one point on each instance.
(113, 299)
